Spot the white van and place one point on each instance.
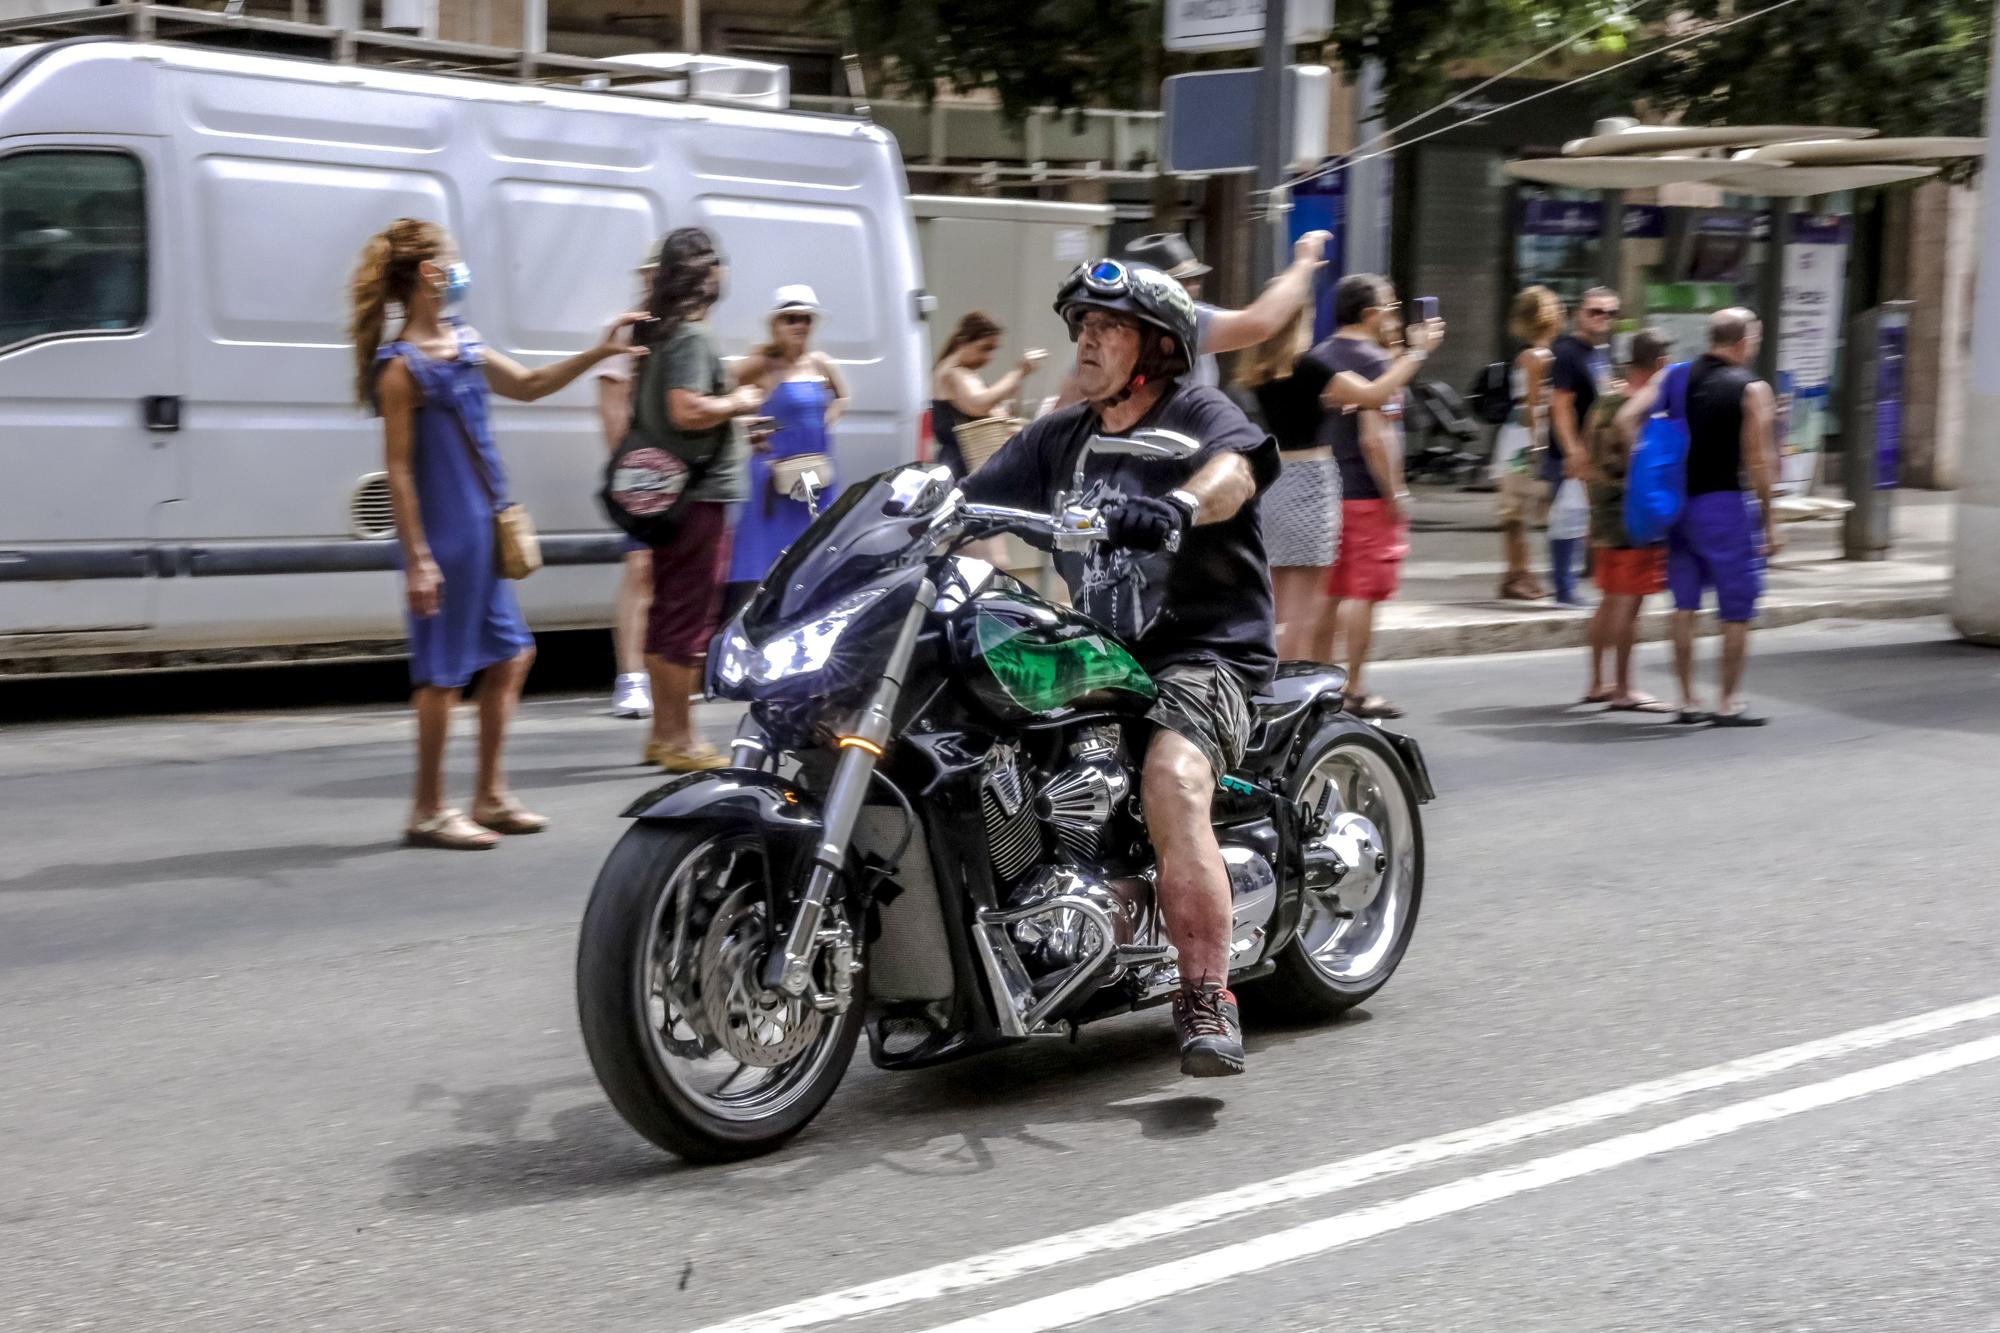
(182, 466)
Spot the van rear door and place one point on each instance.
(89, 378)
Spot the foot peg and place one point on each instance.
(1129, 956)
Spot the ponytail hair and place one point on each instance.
(976, 326)
(386, 272)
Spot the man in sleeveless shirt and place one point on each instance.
(1723, 534)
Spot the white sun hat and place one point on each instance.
(795, 296)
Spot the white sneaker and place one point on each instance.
(632, 697)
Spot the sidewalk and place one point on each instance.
(1447, 605)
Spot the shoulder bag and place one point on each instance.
(517, 550)
(646, 483)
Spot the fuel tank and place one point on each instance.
(1021, 657)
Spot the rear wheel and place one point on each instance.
(690, 1047)
(1351, 939)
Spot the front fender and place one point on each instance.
(787, 817)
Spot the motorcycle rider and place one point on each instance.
(1200, 620)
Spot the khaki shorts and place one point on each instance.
(1523, 499)
(1206, 705)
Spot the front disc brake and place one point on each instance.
(758, 1027)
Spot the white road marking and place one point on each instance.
(1068, 1308)
(1333, 1177)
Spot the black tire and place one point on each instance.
(613, 1010)
(1300, 990)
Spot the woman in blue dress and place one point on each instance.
(803, 396)
(430, 385)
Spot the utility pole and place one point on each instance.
(1975, 581)
(1267, 236)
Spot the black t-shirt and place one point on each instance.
(1290, 407)
(1210, 602)
(1715, 425)
(1341, 427)
(1579, 368)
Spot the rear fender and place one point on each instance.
(787, 817)
(1412, 755)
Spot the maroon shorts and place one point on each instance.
(1368, 563)
(687, 585)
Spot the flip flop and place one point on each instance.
(1372, 706)
(1644, 703)
(1739, 718)
(1589, 699)
(451, 831)
(1691, 717)
(509, 819)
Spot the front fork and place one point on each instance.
(789, 969)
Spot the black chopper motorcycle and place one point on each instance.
(930, 830)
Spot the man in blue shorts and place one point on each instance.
(1723, 535)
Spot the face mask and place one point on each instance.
(457, 282)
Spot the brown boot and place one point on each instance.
(1211, 1033)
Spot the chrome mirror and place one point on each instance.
(806, 491)
(1149, 443)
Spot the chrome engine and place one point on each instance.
(1079, 801)
(1066, 929)
(1013, 834)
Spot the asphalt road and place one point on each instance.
(261, 1068)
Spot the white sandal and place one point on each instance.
(451, 831)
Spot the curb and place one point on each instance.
(1523, 634)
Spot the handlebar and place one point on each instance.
(1074, 528)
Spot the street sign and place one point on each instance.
(1210, 119)
(1238, 25)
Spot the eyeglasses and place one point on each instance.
(1603, 312)
(1099, 322)
(796, 319)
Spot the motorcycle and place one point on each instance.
(930, 831)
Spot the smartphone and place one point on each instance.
(1426, 309)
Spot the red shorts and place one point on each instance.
(1368, 564)
(1631, 571)
(687, 585)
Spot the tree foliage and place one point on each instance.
(1903, 66)
(1061, 53)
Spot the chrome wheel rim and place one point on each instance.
(711, 914)
(1349, 952)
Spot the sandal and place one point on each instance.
(451, 831)
(1641, 703)
(508, 818)
(1740, 717)
(1521, 588)
(1370, 706)
(700, 757)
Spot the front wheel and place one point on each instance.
(694, 1053)
(1336, 961)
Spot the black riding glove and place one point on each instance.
(1142, 523)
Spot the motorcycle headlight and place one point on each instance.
(802, 650)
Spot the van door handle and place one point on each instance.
(163, 412)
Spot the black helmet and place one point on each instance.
(1139, 290)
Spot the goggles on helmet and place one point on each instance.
(1107, 277)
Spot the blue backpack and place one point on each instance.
(1656, 479)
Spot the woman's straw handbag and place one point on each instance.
(981, 439)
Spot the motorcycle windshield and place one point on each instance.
(848, 547)
(1042, 676)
